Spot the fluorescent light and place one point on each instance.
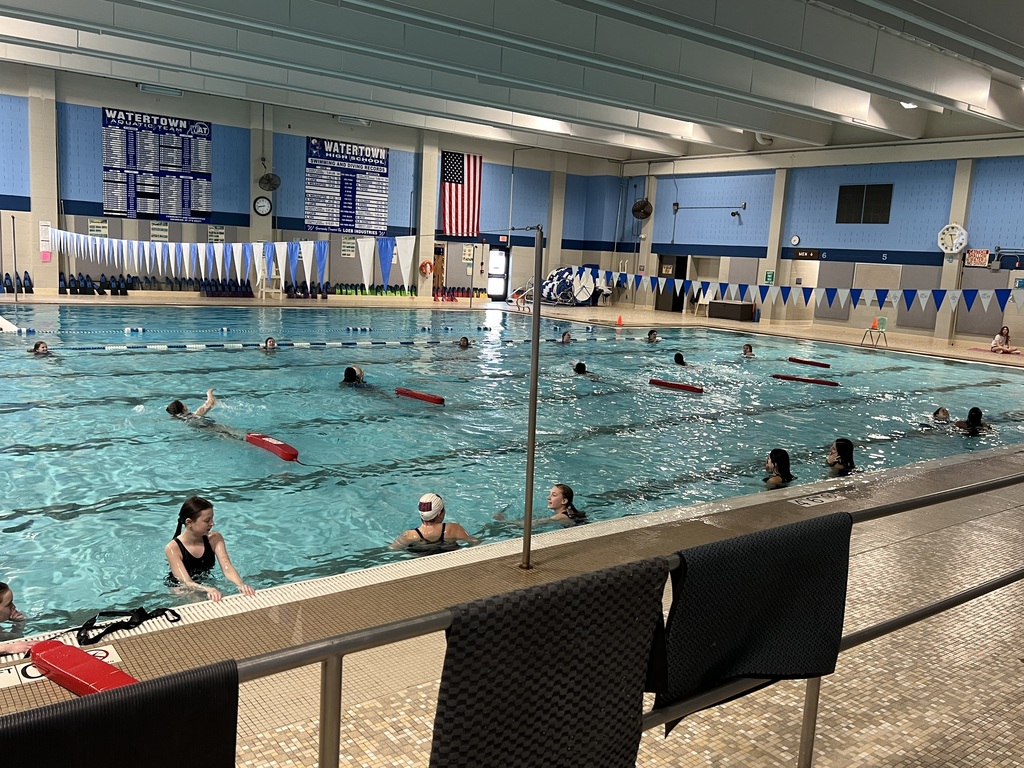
(352, 120)
(908, 105)
(160, 90)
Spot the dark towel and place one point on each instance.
(552, 675)
(188, 718)
(765, 605)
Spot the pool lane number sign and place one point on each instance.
(27, 672)
(817, 499)
(157, 167)
(346, 187)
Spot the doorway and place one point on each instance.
(498, 263)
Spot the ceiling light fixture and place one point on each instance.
(346, 120)
(160, 90)
(908, 105)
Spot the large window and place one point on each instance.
(864, 204)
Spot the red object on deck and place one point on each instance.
(824, 382)
(435, 399)
(76, 670)
(808, 362)
(676, 385)
(272, 444)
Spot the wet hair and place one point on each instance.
(566, 336)
(974, 420)
(568, 494)
(176, 408)
(748, 348)
(652, 334)
(351, 375)
(190, 510)
(464, 341)
(36, 346)
(941, 413)
(4, 589)
(844, 450)
(270, 339)
(679, 359)
(580, 368)
(780, 458)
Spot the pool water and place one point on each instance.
(93, 470)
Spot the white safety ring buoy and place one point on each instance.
(426, 268)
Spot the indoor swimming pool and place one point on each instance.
(93, 470)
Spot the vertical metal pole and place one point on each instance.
(811, 695)
(472, 277)
(531, 429)
(14, 255)
(330, 712)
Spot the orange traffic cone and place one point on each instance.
(874, 324)
(619, 321)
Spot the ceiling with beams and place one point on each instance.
(620, 79)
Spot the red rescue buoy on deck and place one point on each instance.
(426, 397)
(78, 671)
(824, 382)
(676, 385)
(808, 362)
(272, 444)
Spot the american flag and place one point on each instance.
(460, 193)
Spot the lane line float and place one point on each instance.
(676, 385)
(808, 362)
(272, 444)
(426, 397)
(823, 382)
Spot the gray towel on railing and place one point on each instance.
(551, 675)
(765, 605)
(185, 719)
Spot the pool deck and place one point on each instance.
(948, 691)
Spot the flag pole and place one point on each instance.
(531, 429)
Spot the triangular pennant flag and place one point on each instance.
(986, 299)
(909, 294)
(970, 295)
(843, 294)
(637, 280)
(784, 292)
(808, 292)
(406, 246)
(733, 291)
(743, 291)
(385, 255)
(293, 261)
(1018, 299)
(129, 256)
(246, 261)
(922, 299)
(687, 287)
(365, 247)
(165, 259)
(192, 260)
(677, 285)
(855, 296)
(269, 254)
(655, 284)
(1002, 296)
(881, 294)
(723, 289)
(218, 261)
(954, 298)
(306, 252)
(705, 286)
(613, 281)
(819, 294)
(762, 291)
(233, 254)
(830, 295)
(206, 265)
(281, 259)
(938, 295)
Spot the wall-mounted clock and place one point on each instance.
(952, 238)
(795, 239)
(262, 205)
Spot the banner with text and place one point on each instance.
(346, 187)
(157, 167)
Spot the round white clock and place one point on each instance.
(952, 238)
(795, 239)
(262, 205)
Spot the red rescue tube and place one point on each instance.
(426, 397)
(272, 444)
(76, 670)
(676, 385)
(808, 362)
(824, 382)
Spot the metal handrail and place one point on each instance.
(330, 652)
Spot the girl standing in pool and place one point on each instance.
(195, 549)
(777, 462)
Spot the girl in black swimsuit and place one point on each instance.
(196, 547)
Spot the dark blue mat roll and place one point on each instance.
(185, 719)
(765, 605)
(552, 675)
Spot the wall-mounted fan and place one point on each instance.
(642, 209)
(269, 181)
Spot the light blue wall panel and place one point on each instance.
(995, 214)
(495, 194)
(230, 169)
(532, 195)
(290, 165)
(531, 198)
(603, 193)
(14, 154)
(698, 222)
(403, 181)
(921, 197)
(574, 208)
(80, 152)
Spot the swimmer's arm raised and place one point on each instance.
(211, 401)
